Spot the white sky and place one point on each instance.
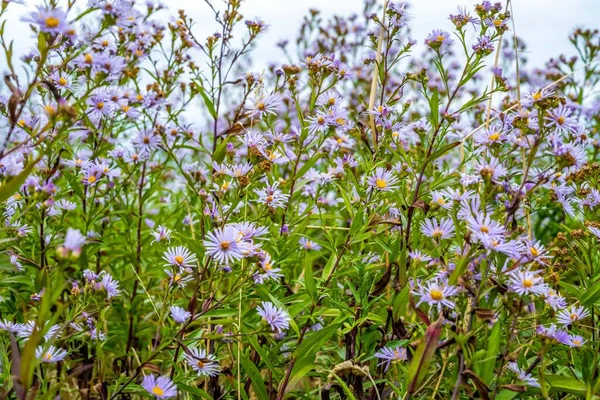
(543, 24)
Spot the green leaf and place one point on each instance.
(261, 352)
(257, 382)
(591, 295)
(308, 165)
(423, 356)
(486, 370)
(345, 387)
(193, 390)
(301, 368)
(219, 154)
(434, 106)
(309, 279)
(565, 384)
(208, 102)
(506, 395)
(313, 343)
(12, 185)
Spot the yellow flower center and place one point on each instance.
(52, 22)
(88, 58)
(536, 96)
(497, 22)
(494, 136)
(62, 81)
(484, 229)
(574, 317)
(200, 364)
(528, 283)
(437, 233)
(100, 105)
(48, 356)
(178, 259)
(91, 178)
(158, 391)
(534, 251)
(261, 106)
(577, 342)
(560, 120)
(440, 38)
(225, 245)
(441, 201)
(380, 183)
(436, 294)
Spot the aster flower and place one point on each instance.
(268, 270)
(318, 123)
(74, 240)
(224, 245)
(436, 293)
(263, 105)
(178, 278)
(14, 260)
(203, 363)
(483, 226)
(463, 18)
(50, 20)
(522, 375)
(382, 180)
(9, 326)
(109, 284)
(444, 229)
(26, 329)
(484, 45)
(534, 97)
(576, 341)
(552, 333)
(389, 355)
(496, 134)
(50, 355)
(535, 251)
(418, 256)
(272, 196)
(278, 319)
(179, 314)
(249, 230)
(438, 40)
(555, 300)
(99, 105)
(526, 283)
(492, 170)
(179, 257)
(147, 141)
(595, 231)
(161, 387)
(161, 234)
(309, 244)
(66, 205)
(571, 315)
(562, 120)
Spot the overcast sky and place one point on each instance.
(543, 24)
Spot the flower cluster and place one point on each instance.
(369, 216)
